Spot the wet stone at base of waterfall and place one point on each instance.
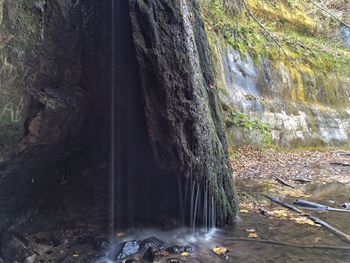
(15, 247)
(179, 249)
(151, 242)
(152, 254)
(129, 248)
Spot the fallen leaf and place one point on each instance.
(303, 221)
(185, 254)
(220, 250)
(120, 234)
(253, 235)
(279, 213)
(317, 239)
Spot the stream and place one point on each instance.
(266, 227)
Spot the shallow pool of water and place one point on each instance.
(279, 240)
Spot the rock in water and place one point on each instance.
(346, 205)
(15, 248)
(152, 254)
(151, 242)
(179, 249)
(129, 248)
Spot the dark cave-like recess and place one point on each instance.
(164, 139)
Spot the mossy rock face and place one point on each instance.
(19, 32)
(1, 10)
(181, 103)
(313, 77)
(42, 107)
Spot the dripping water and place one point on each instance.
(197, 206)
(112, 131)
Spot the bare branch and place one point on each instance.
(269, 34)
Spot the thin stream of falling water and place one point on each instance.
(182, 214)
(195, 208)
(193, 185)
(213, 215)
(112, 131)
(205, 210)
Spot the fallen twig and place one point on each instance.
(340, 164)
(302, 180)
(330, 228)
(284, 182)
(318, 207)
(280, 243)
(343, 153)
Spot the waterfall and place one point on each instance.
(197, 206)
(112, 132)
(133, 168)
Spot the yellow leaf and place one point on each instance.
(317, 239)
(220, 250)
(253, 235)
(280, 213)
(304, 221)
(185, 254)
(120, 234)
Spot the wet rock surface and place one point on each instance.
(15, 247)
(57, 126)
(179, 249)
(151, 242)
(152, 254)
(43, 61)
(129, 248)
(83, 244)
(181, 102)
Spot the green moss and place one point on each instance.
(239, 119)
(23, 32)
(316, 55)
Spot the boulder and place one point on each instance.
(152, 254)
(151, 242)
(129, 248)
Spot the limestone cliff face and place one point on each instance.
(301, 92)
(301, 109)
